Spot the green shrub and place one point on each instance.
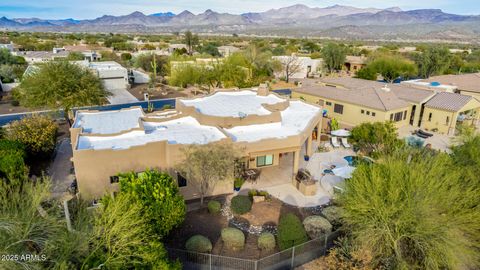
(214, 207)
(290, 232)
(233, 238)
(266, 241)
(317, 226)
(333, 214)
(241, 204)
(199, 243)
(12, 155)
(38, 134)
(238, 182)
(159, 196)
(254, 192)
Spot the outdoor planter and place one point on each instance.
(307, 158)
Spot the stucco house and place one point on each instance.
(263, 125)
(33, 57)
(226, 51)
(465, 84)
(354, 101)
(354, 63)
(305, 67)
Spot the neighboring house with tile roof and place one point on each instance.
(445, 110)
(354, 63)
(354, 101)
(465, 84)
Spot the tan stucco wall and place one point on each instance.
(439, 117)
(93, 168)
(439, 120)
(472, 94)
(352, 115)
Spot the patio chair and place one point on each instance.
(334, 142)
(345, 142)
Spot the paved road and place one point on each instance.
(60, 169)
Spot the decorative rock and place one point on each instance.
(317, 226)
(257, 199)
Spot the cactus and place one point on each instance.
(153, 77)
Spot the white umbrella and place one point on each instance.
(344, 172)
(341, 133)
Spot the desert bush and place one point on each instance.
(290, 232)
(38, 134)
(266, 242)
(317, 226)
(199, 243)
(241, 204)
(255, 192)
(214, 207)
(12, 155)
(233, 238)
(333, 214)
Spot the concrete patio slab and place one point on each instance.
(277, 180)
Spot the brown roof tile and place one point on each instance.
(468, 82)
(448, 101)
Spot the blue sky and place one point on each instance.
(87, 9)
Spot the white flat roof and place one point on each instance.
(184, 130)
(108, 122)
(233, 104)
(431, 85)
(294, 120)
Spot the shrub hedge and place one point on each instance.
(290, 232)
(266, 241)
(214, 207)
(233, 238)
(317, 226)
(333, 214)
(241, 204)
(199, 243)
(38, 133)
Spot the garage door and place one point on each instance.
(112, 84)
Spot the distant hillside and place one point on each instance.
(297, 20)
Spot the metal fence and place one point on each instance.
(286, 259)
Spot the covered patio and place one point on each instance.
(277, 180)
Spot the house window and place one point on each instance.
(114, 179)
(338, 108)
(448, 120)
(430, 117)
(368, 112)
(404, 115)
(181, 181)
(398, 117)
(362, 111)
(391, 117)
(329, 103)
(373, 114)
(264, 160)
